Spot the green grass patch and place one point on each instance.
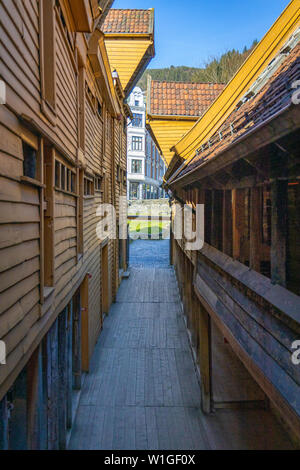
(147, 227)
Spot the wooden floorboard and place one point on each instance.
(142, 391)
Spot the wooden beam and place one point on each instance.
(4, 424)
(227, 223)
(63, 377)
(49, 168)
(84, 294)
(52, 386)
(279, 201)
(238, 221)
(32, 401)
(255, 228)
(216, 219)
(69, 367)
(77, 340)
(205, 356)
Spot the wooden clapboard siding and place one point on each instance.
(94, 286)
(27, 310)
(19, 250)
(66, 94)
(94, 128)
(20, 51)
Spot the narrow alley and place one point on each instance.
(142, 391)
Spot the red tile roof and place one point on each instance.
(274, 97)
(182, 99)
(128, 21)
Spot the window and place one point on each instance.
(136, 103)
(88, 186)
(98, 183)
(137, 143)
(137, 120)
(99, 108)
(134, 191)
(70, 36)
(30, 161)
(90, 96)
(136, 166)
(65, 177)
(105, 189)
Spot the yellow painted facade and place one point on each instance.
(168, 131)
(223, 106)
(125, 55)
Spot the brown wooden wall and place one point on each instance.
(28, 306)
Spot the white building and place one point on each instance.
(145, 167)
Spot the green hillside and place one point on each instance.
(216, 70)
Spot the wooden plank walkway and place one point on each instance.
(142, 391)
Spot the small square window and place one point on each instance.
(99, 108)
(98, 183)
(63, 177)
(57, 174)
(30, 161)
(88, 187)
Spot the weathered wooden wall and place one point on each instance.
(80, 135)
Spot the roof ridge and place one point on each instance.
(130, 9)
(187, 83)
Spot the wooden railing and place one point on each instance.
(260, 320)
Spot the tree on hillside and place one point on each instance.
(216, 69)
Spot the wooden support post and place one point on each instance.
(43, 397)
(188, 293)
(205, 359)
(69, 366)
(32, 401)
(213, 228)
(255, 228)
(171, 253)
(227, 222)
(63, 378)
(216, 219)
(279, 201)
(77, 341)
(84, 295)
(4, 424)
(49, 170)
(52, 386)
(238, 222)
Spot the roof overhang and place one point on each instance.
(130, 54)
(167, 129)
(236, 89)
(101, 67)
(270, 131)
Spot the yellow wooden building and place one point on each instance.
(241, 290)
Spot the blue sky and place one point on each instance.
(189, 32)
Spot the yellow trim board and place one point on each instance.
(254, 65)
(125, 56)
(168, 131)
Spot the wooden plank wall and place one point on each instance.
(25, 315)
(19, 250)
